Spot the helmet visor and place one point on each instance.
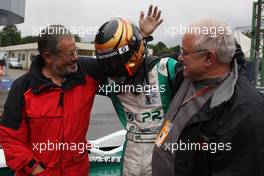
(115, 66)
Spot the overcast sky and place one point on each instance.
(91, 14)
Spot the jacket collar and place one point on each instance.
(226, 89)
(222, 94)
(40, 83)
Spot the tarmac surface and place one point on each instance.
(103, 121)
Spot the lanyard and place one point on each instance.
(198, 93)
(168, 125)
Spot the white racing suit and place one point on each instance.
(142, 116)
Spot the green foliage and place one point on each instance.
(29, 39)
(248, 34)
(9, 35)
(77, 38)
(161, 49)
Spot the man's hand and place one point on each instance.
(38, 169)
(151, 22)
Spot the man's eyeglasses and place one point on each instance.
(70, 53)
(185, 53)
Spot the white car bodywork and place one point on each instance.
(97, 153)
(14, 63)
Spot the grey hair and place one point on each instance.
(49, 38)
(214, 35)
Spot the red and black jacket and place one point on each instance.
(39, 113)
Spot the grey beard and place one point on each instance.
(62, 73)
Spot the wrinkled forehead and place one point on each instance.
(66, 42)
(188, 40)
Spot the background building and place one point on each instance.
(25, 52)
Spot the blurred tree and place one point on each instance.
(9, 35)
(29, 39)
(77, 38)
(248, 34)
(160, 49)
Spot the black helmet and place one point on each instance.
(119, 48)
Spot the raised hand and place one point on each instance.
(151, 22)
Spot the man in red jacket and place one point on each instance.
(46, 115)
